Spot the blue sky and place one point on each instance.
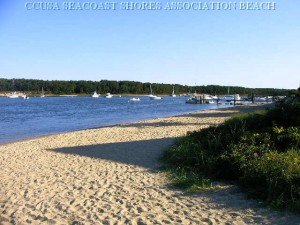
(250, 48)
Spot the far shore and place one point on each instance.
(110, 175)
(5, 94)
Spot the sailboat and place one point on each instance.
(13, 94)
(173, 93)
(153, 97)
(42, 95)
(108, 95)
(95, 95)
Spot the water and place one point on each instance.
(21, 119)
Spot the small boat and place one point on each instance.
(151, 94)
(108, 95)
(95, 95)
(229, 98)
(25, 97)
(154, 97)
(173, 93)
(42, 95)
(134, 99)
(207, 97)
(13, 95)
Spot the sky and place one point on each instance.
(250, 48)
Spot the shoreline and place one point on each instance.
(120, 124)
(109, 176)
(117, 124)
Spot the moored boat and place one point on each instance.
(108, 95)
(154, 97)
(173, 93)
(43, 94)
(134, 99)
(13, 95)
(95, 95)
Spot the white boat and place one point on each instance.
(95, 95)
(151, 94)
(153, 97)
(108, 95)
(173, 93)
(207, 97)
(134, 99)
(13, 95)
(25, 97)
(229, 98)
(42, 95)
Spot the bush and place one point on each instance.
(286, 138)
(261, 151)
(278, 175)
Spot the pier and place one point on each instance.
(231, 99)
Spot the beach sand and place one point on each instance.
(109, 176)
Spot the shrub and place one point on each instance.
(278, 175)
(260, 150)
(286, 138)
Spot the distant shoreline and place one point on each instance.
(6, 94)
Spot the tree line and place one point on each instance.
(81, 87)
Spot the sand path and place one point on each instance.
(109, 176)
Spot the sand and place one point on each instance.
(109, 176)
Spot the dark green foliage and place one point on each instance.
(124, 87)
(261, 151)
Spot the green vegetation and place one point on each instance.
(123, 87)
(260, 151)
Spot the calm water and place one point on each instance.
(22, 119)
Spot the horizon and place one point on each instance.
(252, 48)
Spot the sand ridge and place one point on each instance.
(109, 176)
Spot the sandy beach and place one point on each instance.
(109, 176)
